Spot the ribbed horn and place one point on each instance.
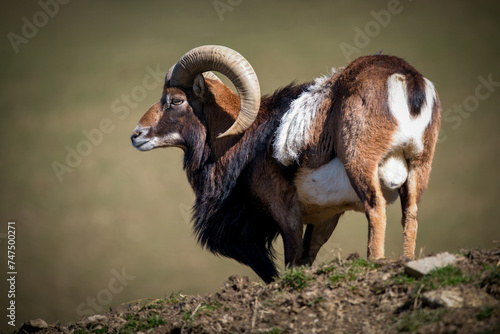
(231, 64)
(206, 75)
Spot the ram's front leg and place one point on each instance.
(287, 217)
(279, 197)
(282, 205)
(315, 237)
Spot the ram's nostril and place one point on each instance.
(135, 134)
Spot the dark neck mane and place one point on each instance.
(225, 218)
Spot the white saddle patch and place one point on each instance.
(294, 132)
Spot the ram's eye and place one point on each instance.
(177, 101)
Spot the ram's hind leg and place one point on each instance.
(364, 137)
(364, 179)
(409, 205)
(410, 193)
(315, 237)
(375, 204)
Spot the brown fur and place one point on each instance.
(359, 125)
(354, 123)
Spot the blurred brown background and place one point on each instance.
(107, 224)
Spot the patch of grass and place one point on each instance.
(341, 277)
(363, 263)
(295, 278)
(205, 308)
(176, 298)
(316, 301)
(442, 277)
(102, 330)
(186, 315)
(154, 321)
(154, 305)
(414, 320)
(137, 323)
(325, 269)
(437, 278)
(349, 271)
(403, 280)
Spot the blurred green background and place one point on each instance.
(122, 211)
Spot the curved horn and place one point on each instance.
(206, 75)
(169, 74)
(231, 64)
(211, 75)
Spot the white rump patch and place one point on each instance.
(410, 129)
(294, 132)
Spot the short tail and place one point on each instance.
(416, 90)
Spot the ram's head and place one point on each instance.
(189, 94)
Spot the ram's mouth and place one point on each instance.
(143, 144)
(140, 141)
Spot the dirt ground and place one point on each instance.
(344, 296)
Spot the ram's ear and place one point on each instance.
(200, 87)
